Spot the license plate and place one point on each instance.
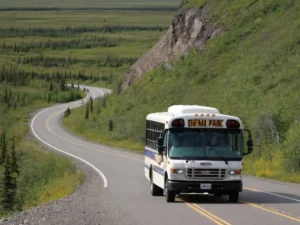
(205, 186)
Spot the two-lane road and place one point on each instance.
(122, 175)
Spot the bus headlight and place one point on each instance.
(176, 171)
(235, 172)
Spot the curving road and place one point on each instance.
(122, 177)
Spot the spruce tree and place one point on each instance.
(9, 187)
(92, 104)
(1, 150)
(110, 125)
(14, 165)
(87, 109)
(3, 146)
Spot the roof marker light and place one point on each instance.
(178, 123)
(233, 124)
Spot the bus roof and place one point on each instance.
(190, 112)
(192, 109)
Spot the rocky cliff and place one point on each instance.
(188, 29)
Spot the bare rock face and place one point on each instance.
(187, 30)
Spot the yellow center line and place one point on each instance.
(272, 211)
(207, 214)
(251, 189)
(204, 214)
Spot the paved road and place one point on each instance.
(122, 176)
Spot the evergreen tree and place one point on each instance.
(104, 102)
(14, 165)
(5, 95)
(87, 109)
(110, 125)
(98, 108)
(3, 146)
(92, 104)
(9, 189)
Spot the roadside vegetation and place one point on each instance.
(43, 49)
(251, 71)
(29, 176)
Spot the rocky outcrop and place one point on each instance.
(187, 30)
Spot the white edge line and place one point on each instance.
(282, 196)
(95, 168)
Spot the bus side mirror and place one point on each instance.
(160, 145)
(250, 146)
(249, 143)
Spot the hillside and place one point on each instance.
(250, 70)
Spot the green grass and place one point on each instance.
(95, 128)
(250, 72)
(52, 178)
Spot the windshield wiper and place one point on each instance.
(222, 157)
(189, 157)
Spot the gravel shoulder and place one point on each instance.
(90, 203)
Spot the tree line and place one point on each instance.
(161, 8)
(60, 44)
(47, 61)
(68, 31)
(12, 98)
(15, 77)
(10, 75)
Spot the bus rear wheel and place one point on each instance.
(155, 190)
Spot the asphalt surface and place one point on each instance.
(121, 176)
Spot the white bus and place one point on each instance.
(195, 149)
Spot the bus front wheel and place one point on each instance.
(170, 196)
(234, 196)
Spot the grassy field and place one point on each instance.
(251, 72)
(41, 50)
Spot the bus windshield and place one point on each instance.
(205, 144)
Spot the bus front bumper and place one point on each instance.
(211, 187)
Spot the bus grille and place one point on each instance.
(206, 173)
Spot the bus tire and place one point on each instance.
(218, 195)
(155, 190)
(170, 195)
(234, 196)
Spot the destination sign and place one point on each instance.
(205, 123)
